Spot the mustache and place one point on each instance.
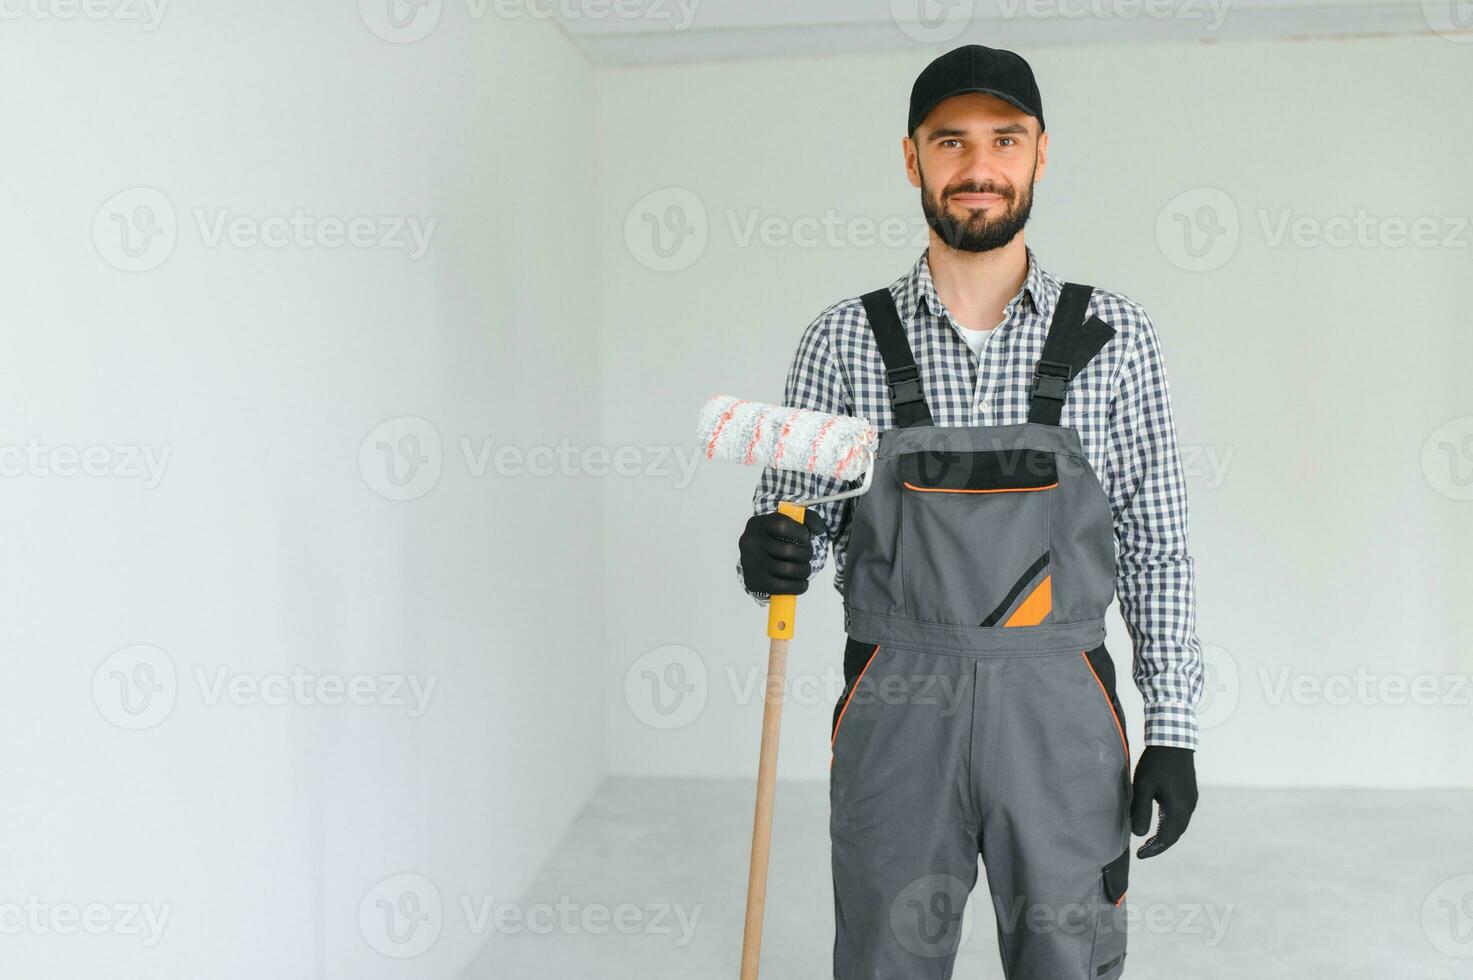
(969, 188)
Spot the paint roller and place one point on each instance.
(801, 440)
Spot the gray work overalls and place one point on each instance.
(979, 712)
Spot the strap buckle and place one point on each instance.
(905, 384)
(1051, 379)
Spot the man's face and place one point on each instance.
(975, 159)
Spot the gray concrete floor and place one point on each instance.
(1344, 884)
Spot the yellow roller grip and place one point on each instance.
(781, 609)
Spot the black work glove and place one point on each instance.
(1168, 776)
(777, 551)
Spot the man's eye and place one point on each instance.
(1007, 139)
(954, 141)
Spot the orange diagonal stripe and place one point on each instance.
(1036, 606)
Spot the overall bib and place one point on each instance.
(979, 714)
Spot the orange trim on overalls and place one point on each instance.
(912, 486)
(1116, 718)
(1032, 610)
(849, 700)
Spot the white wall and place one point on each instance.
(1307, 379)
(265, 546)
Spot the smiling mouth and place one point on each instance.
(977, 200)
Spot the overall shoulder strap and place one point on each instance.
(1071, 342)
(901, 373)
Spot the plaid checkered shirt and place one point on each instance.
(1121, 406)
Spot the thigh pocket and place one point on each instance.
(857, 659)
(975, 536)
(1103, 668)
(1109, 952)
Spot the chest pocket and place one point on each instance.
(975, 536)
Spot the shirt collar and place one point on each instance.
(1039, 289)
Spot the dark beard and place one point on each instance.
(976, 232)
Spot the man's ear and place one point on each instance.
(912, 160)
(1042, 157)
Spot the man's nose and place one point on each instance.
(977, 170)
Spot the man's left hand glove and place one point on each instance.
(1168, 776)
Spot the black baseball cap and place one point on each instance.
(975, 68)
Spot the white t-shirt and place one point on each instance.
(976, 339)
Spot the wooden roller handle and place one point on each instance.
(781, 610)
(772, 716)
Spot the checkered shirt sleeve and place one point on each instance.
(1154, 572)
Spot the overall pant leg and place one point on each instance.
(903, 825)
(1054, 779)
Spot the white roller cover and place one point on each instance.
(739, 431)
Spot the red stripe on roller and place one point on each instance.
(817, 441)
(721, 424)
(844, 463)
(756, 437)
